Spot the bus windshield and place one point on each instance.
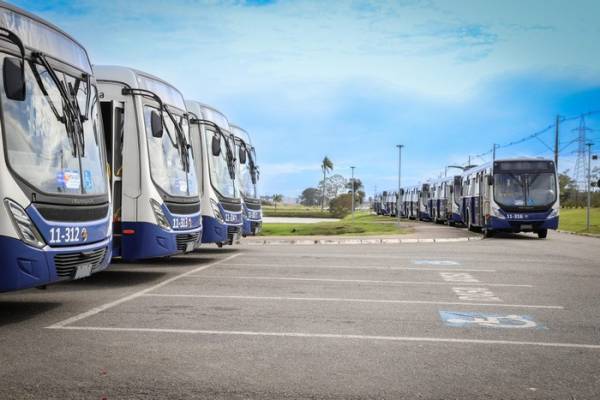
(218, 166)
(166, 164)
(40, 148)
(525, 189)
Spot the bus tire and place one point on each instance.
(542, 233)
(487, 233)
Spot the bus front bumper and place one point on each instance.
(23, 266)
(145, 240)
(521, 225)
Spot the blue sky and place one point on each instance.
(351, 79)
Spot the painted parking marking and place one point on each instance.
(435, 262)
(458, 277)
(475, 294)
(349, 300)
(462, 319)
(357, 267)
(306, 335)
(332, 280)
(96, 310)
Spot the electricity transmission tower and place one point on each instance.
(580, 172)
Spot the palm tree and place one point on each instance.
(277, 198)
(326, 166)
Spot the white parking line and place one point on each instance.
(96, 310)
(475, 294)
(458, 277)
(364, 267)
(280, 278)
(338, 299)
(338, 336)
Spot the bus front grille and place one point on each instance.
(66, 264)
(183, 239)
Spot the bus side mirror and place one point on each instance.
(156, 124)
(216, 145)
(14, 78)
(451, 190)
(490, 180)
(242, 155)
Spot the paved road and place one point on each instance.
(504, 318)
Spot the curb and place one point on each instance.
(591, 235)
(305, 242)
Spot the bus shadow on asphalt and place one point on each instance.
(12, 312)
(113, 278)
(513, 236)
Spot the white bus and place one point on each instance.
(55, 217)
(153, 173)
(213, 141)
(247, 177)
(511, 195)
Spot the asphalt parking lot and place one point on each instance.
(505, 318)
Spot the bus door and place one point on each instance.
(113, 121)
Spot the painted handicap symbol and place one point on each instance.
(488, 320)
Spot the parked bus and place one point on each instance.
(513, 195)
(411, 203)
(453, 204)
(439, 200)
(55, 220)
(377, 204)
(423, 211)
(247, 177)
(221, 201)
(153, 174)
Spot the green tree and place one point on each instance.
(326, 166)
(277, 198)
(358, 190)
(341, 205)
(567, 188)
(310, 197)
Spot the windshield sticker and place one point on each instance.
(60, 180)
(88, 182)
(181, 185)
(72, 179)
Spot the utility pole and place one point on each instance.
(556, 142)
(399, 146)
(494, 152)
(352, 194)
(589, 181)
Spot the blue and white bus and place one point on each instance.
(247, 177)
(423, 210)
(153, 172)
(511, 195)
(221, 201)
(55, 217)
(440, 201)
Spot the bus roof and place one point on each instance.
(209, 113)
(241, 133)
(40, 35)
(141, 80)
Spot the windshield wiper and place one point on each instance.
(71, 117)
(228, 152)
(181, 140)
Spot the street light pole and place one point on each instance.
(352, 193)
(399, 146)
(589, 194)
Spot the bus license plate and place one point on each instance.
(189, 247)
(526, 226)
(83, 271)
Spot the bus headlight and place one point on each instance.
(23, 225)
(217, 212)
(553, 214)
(496, 212)
(161, 219)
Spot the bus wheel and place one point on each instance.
(487, 233)
(219, 244)
(469, 225)
(542, 233)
